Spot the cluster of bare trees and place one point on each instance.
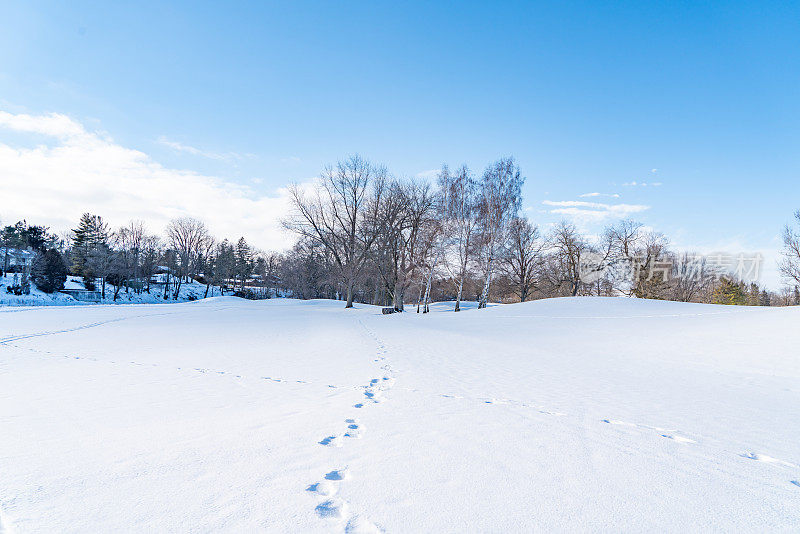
(367, 236)
(377, 237)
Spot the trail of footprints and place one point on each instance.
(332, 507)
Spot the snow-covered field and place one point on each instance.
(227, 415)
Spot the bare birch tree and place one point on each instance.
(500, 203)
(459, 220)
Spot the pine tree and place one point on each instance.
(244, 260)
(90, 235)
(49, 272)
(224, 264)
(730, 292)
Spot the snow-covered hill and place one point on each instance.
(227, 415)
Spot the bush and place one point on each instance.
(49, 272)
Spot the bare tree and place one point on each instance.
(151, 251)
(790, 263)
(500, 203)
(341, 214)
(568, 247)
(406, 211)
(188, 237)
(691, 277)
(652, 267)
(129, 241)
(458, 216)
(523, 256)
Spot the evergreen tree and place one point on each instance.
(49, 272)
(90, 235)
(730, 292)
(244, 260)
(224, 264)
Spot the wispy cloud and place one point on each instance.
(188, 149)
(593, 211)
(610, 195)
(81, 170)
(634, 183)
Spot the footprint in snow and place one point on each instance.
(338, 474)
(332, 509)
(324, 488)
(621, 423)
(354, 430)
(679, 439)
(332, 441)
(766, 459)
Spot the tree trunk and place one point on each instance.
(397, 298)
(349, 294)
(177, 287)
(425, 307)
(458, 295)
(485, 293)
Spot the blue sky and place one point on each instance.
(590, 97)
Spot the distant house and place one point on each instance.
(15, 259)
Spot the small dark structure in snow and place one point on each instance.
(387, 311)
(83, 295)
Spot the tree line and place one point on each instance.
(369, 237)
(366, 236)
(130, 259)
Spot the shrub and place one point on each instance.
(49, 272)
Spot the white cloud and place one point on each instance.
(593, 211)
(180, 147)
(80, 171)
(53, 124)
(611, 195)
(641, 184)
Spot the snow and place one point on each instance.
(585, 414)
(189, 291)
